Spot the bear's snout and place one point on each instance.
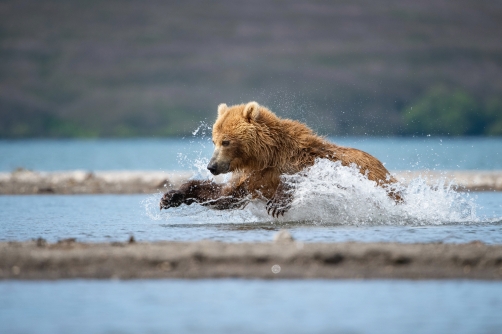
(212, 168)
(217, 168)
(218, 165)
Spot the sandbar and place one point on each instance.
(288, 259)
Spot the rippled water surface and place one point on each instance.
(251, 306)
(331, 204)
(115, 217)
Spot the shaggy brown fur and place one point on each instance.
(258, 147)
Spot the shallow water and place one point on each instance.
(251, 306)
(97, 218)
(353, 210)
(331, 205)
(397, 153)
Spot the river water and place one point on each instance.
(251, 306)
(98, 218)
(180, 154)
(355, 211)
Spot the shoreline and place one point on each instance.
(24, 182)
(283, 259)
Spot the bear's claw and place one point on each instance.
(277, 208)
(171, 199)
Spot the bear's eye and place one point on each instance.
(225, 143)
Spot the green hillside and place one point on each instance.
(157, 68)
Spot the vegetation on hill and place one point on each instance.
(157, 68)
(453, 113)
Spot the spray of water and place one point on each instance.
(326, 193)
(331, 194)
(197, 144)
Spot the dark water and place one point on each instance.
(180, 154)
(251, 306)
(97, 218)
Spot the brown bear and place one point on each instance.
(258, 147)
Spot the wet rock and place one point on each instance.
(67, 242)
(283, 236)
(41, 242)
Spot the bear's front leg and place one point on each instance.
(195, 191)
(230, 198)
(281, 202)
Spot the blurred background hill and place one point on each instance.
(158, 68)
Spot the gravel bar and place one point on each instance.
(286, 259)
(133, 182)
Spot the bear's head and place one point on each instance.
(242, 138)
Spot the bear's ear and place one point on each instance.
(222, 108)
(251, 111)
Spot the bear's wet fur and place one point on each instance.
(258, 147)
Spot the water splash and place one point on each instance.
(202, 130)
(198, 214)
(331, 194)
(198, 144)
(327, 193)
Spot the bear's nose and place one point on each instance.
(212, 168)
